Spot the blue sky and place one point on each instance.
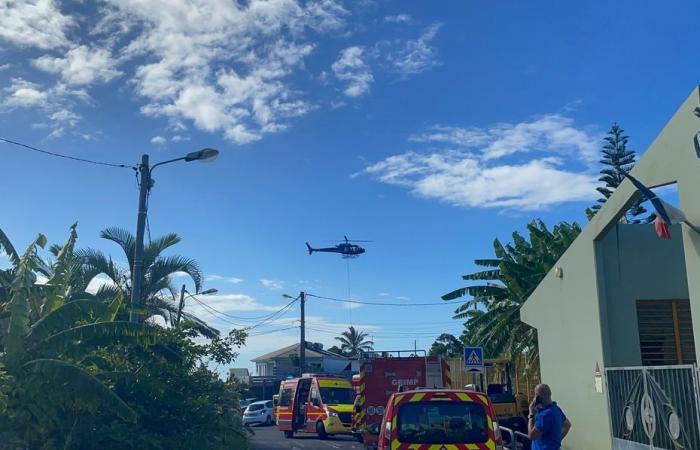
(429, 128)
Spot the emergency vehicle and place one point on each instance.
(438, 419)
(320, 404)
(385, 373)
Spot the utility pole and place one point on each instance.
(137, 270)
(302, 347)
(182, 304)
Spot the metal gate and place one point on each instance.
(654, 407)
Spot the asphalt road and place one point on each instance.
(271, 438)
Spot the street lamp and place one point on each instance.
(182, 299)
(145, 170)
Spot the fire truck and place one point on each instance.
(384, 373)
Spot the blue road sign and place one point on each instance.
(474, 359)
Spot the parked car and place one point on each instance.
(262, 413)
(440, 418)
(243, 404)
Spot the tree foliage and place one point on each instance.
(492, 312)
(353, 341)
(75, 376)
(158, 293)
(446, 345)
(617, 160)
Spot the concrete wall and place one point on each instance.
(636, 265)
(567, 312)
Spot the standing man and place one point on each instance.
(547, 425)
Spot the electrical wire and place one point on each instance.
(260, 333)
(256, 318)
(224, 316)
(407, 334)
(74, 158)
(276, 315)
(358, 302)
(215, 313)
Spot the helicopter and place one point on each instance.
(346, 249)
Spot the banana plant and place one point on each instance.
(50, 335)
(492, 311)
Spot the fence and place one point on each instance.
(524, 382)
(654, 407)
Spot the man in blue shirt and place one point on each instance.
(547, 425)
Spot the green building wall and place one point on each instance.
(571, 314)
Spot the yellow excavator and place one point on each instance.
(497, 383)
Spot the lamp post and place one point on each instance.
(204, 155)
(182, 299)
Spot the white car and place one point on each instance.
(259, 412)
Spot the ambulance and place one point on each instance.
(320, 404)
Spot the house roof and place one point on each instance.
(294, 350)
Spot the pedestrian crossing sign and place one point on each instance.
(474, 359)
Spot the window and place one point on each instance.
(442, 423)
(665, 332)
(337, 396)
(286, 397)
(314, 397)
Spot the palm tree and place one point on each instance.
(157, 290)
(353, 341)
(493, 312)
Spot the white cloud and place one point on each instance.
(415, 55)
(232, 280)
(384, 294)
(158, 140)
(549, 133)
(179, 138)
(56, 102)
(97, 282)
(223, 65)
(81, 65)
(351, 68)
(399, 18)
(479, 174)
(4, 67)
(34, 23)
(232, 303)
(22, 93)
(272, 284)
(348, 305)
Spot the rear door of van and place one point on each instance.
(442, 420)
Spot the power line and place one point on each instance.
(323, 328)
(215, 313)
(256, 318)
(276, 315)
(74, 158)
(398, 335)
(260, 333)
(358, 302)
